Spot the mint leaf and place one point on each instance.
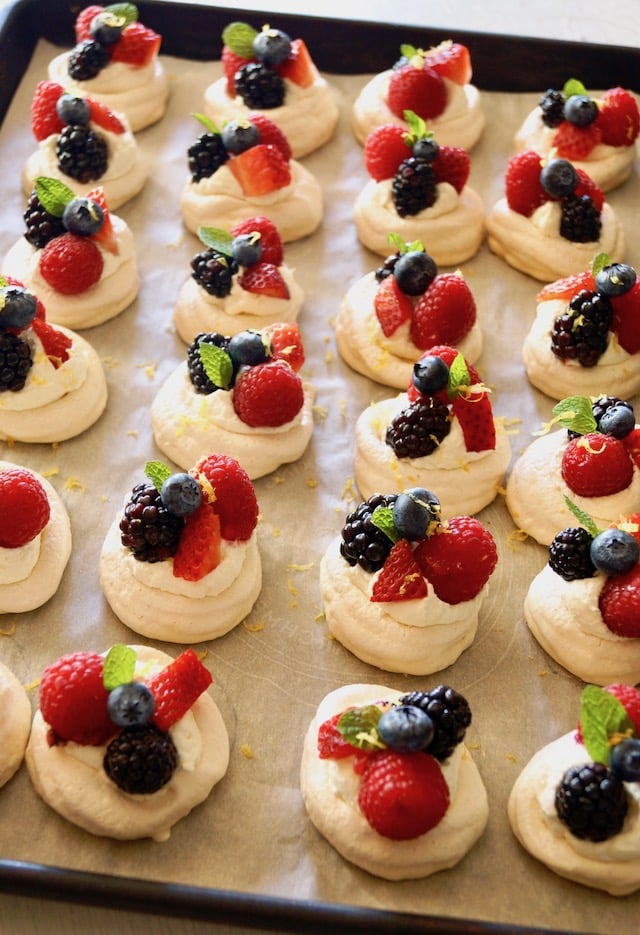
(583, 518)
(458, 376)
(573, 86)
(601, 717)
(599, 262)
(239, 38)
(216, 239)
(119, 666)
(128, 12)
(157, 472)
(576, 413)
(217, 364)
(359, 727)
(206, 122)
(53, 195)
(417, 127)
(382, 518)
(408, 51)
(395, 240)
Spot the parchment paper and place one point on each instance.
(253, 835)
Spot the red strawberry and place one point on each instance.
(619, 603)
(272, 249)
(260, 170)
(403, 795)
(596, 465)
(104, 117)
(264, 279)
(568, 287)
(83, 21)
(137, 46)
(384, 149)
(198, 550)
(399, 578)
(391, 305)
(268, 394)
(420, 89)
(626, 319)
(451, 60)
(271, 134)
(106, 236)
(298, 67)
(44, 117)
(71, 264)
(632, 444)
(73, 699)
(331, 743)
(628, 522)
(177, 687)
(286, 343)
(458, 559)
(618, 118)
(475, 415)
(629, 697)
(24, 507)
(586, 186)
(444, 313)
(572, 142)
(54, 343)
(452, 165)
(235, 499)
(522, 183)
(231, 62)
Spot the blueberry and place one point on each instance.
(247, 348)
(625, 760)
(83, 216)
(246, 249)
(430, 375)
(580, 110)
(425, 149)
(414, 511)
(239, 135)
(106, 27)
(415, 271)
(131, 704)
(558, 178)
(614, 551)
(272, 47)
(19, 308)
(181, 494)
(615, 279)
(618, 420)
(406, 728)
(73, 110)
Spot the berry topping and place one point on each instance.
(72, 109)
(239, 135)
(450, 715)
(147, 528)
(384, 149)
(417, 87)
(137, 46)
(430, 375)
(55, 343)
(419, 429)
(523, 187)
(581, 332)
(82, 154)
(298, 67)
(73, 699)
(286, 343)
(391, 305)
(198, 551)
(619, 119)
(105, 118)
(87, 59)
(235, 499)
(181, 494)
(558, 178)
(452, 165)
(18, 308)
(576, 142)
(445, 313)
(140, 760)
(458, 559)
(619, 603)
(331, 744)
(271, 46)
(206, 155)
(570, 554)
(414, 272)
(450, 60)
(177, 687)
(363, 543)
(596, 465)
(629, 698)
(591, 801)
(269, 394)
(264, 279)
(625, 760)
(247, 348)
(16, 361)
(259, 86)
(580, 109)
(106, 27)
(82, 26)
(614, 551)
(24, 507)
(41, 225)
(268, 235)
(45, 120)
(71, 264)
(131, 704)
(260, 170)
(400, 578)
(406, 728)
(615, 279)
(416, 512)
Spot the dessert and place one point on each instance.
(418, 189)
(403, 587)
(52, 383)
(35, 539)
(389, 317)
(386, 778)
(440, 434)
(115, 61)
(244, 170)
(596, 133)
(574, 806)
(434, 83)
(82, 143)
(592, 462)
(552, 220)
(239, 282)
(181, 562)
(584, 606)
(15, 727)
(267, 71)
(78, 257)
(126, 743)
(241, 396)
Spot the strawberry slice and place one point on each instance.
(626, 319)
(271, 133)
(400, 578)
(567, 287)
(260, 170)
(264, 279)
(298, 67)
(475, 416)
(451, 60)
(586, 186)
(391, 305)
(270, 239)
(137, 46)
(177, 687)
(106, 236)
(104, 117)
(452, 165)
(199, 547)
(54, 343)
(286, 343)
(44, 117)
(632, 443)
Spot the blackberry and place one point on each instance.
(418, 430)
(582, 332)
(15, 361)
(197, 375)
(259, 87)
(569, 554)
(148, 529)
(206, 155)
(214, 272)
(552, 106)
(87, 60)
(413, 187)
(580, 221)
(362, 542)
(591, 802)
(140, 760)
(450, 713)
(81, 153)
(387, 267)
(41, 226)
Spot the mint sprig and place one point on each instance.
(359, 727)
(572, 87)
(583, 518)
(401, 246)
(157, 472)
(128, 12)
(603, 722)
(459, 376)
(119, 666)
(206, 122)
(382, 518)
(575, 413)
(599, 262)
(53, 195)
(239, 38)
(216, 239)
(217, 364)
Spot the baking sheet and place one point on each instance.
(252, 835)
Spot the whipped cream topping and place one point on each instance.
(46, 383)
(15, 725)
(17, 564)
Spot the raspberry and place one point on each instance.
(270, 133)
(331, 744)
(452, 165)
(198, 550)
(629, 697)
(44, 117)
(384, 149)
(177, 687)
(286, 343)
(572, 142)
(458, 559)
(596, 465)
(268, 394)
(618, 118)
(71, 264)
(231, 63)
(270, 240)
(73, 699)
(620, 603)
(400, 578)
(444, 314)
(137, 46)
(235, 499)
(403, 795)
(83, 22)
(391, 305)
(421, 90)
(524, 190)
(24, 507)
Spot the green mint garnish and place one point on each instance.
(239, 38)
(401, 246)
(53, 195)
(382, 518)
(217, 364)
(573, 86)
(583, 518)
(157, 472)
(359, 727)
(575, 413)
(207, 123)
(216, 239)
(602, 717)
(125, 11)
(408, 50)
(417, 128)
(119, 666)
(599, 262)
(458, 376)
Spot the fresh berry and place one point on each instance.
(416, 513)
(71, 264)
(417, 88)
(83, 21)
(41, 226)
(137, 46)
(82, 154)
(581, 332)
(106, 235)
(141, 760)
(405, 728)
(596, 465)
(107, 28)
(618, 419)
(458, 559)
(104, 117)
(130, 704)
(214, 272)
(629, 698)
(239, 135)
(286, 343)
(18, 308)
(87, 59)
(54, 342)
(73, 699)
(580, 220)
(147, 528)
(177, 687)
(247, 348)
(580, 110)
(362, 542)
(44, 116)
(626, 319)
(591, 802)
(413, 187)
(452, 165)
(259, 87)
(272, 46)
(419, 429)
(246, 249)
(399, 578)
(552, 107)
(403, 795)
(331, 743)
(632, 444)
(264, 279)
(271, 134)
(450, 714)
(615, 279)
(24, 507)
(625, 760)
(450, 60)
(570, 554)
(475, 415)
(620, 603)
(270, 240)
(198, 550)
(235, 499)
(73, 109)
(82, 216)
(392, 306)
(567, 287)
(205, 156)
(430, 375)
(574, 142)
(16, 360)
(181, 494)
(260, 170)
(444, 314)
(523, 188)
(268, 394)
(384, 149)
(614, 551)
(559, 178)
(618, 119)
(298, 67)
(414, 271)
(586, 186)
(231, 63)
